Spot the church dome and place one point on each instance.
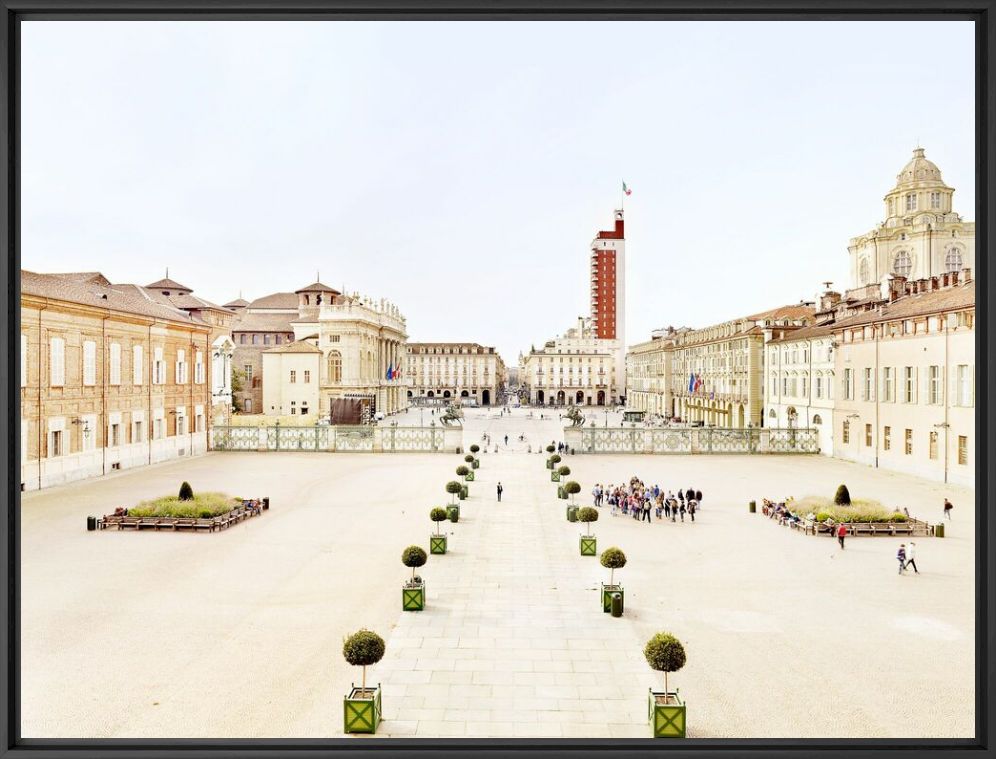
(919, 169)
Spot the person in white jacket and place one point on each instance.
(911, 557)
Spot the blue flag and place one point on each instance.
(390, 371)
(691, 383)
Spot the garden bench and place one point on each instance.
(184, 523)
(128, 523)
(204, 524)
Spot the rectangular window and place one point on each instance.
(935, 200)
(846, 432)
(909, 442)
(964, 380)
(848, 384)
(136, 432)
(774, 385)
(868, 435)
(24, 360)
(934, 395)
(199, 367)
(55, 443)
(293, 376)
(886, 438)
(181, 366)
(248, 371)
(114, 436)
(181, 424)
(137, 371)
(819, 387)
(57, 362)
(868, 392)
(963, 450)
(266, 339)
(242, 339)
(255, 339)
(932, 448)
(115, 369)
(888, 385)
(911, 201)
(307, 376)
(909, 384)
(89, 363)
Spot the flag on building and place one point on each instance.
(691, 383)
(698, 383)
(390, 371)
(626, 190)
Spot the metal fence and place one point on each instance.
(349, 438)
(697, 440)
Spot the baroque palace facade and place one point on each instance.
(116, 376)
(454, 370)
(884, 373)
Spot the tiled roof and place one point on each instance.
(237, 303)
(276, 300)
(84, 276)
(301, 346)
(186, 301)
(957, 298)
(318, 287)
(264, 323)
(796, 311)
(88, 291)
(169, 284)
(806, 333)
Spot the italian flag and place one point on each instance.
(626, 190)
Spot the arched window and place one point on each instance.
(953, 260)
(863, 273)
(902, 264)
(817, 419)
(335, 367)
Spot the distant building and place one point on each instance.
(293, 379)
(114, 376)
(440, 371)
(574, 368)
(260, 325)
(608, 290)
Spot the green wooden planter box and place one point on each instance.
(453, 512)
(413, 599)
(560, 491)
(572, 513)
(607, 593)
(469, 477)
(549, 464)
(752, 507)
(563, 497)
(475, 464)
(362, 714)
(554, 476)
(464, 493)
(668, 720)
(437, 544)
(588, 545)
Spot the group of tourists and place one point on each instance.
(637, 499)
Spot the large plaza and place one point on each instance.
(239, 633)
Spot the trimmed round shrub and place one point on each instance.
(437, 515)
(453, 487)
(462, 470)
(186, 492)
(551, 448)
(564, 471)
(473, 449)
(588, 514)
(664, 653)
(555, 458)
(572, 488)
(363, 648)
(414, 557)
(613, 559)
(469, 458)
(842, 497)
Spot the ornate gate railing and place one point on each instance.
(396, 439)
(793, 441)
(683, 440)
(670, 441)
(347, 438)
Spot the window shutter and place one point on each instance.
(57, 362)
(89, 363)
(115, 372)
(136, 365)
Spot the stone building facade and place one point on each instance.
(574, 368)
(648, 374)
(293, 380)
(260, 325)
(461, 371)
(921, 236)
(111, 378)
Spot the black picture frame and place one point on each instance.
(981, 12)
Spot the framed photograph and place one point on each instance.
(522, 378)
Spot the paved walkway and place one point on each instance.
(513, 641)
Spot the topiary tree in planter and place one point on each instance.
(664, 653)
(186, 492)
(572, 488)
(475, 448)
(413, 591)
(453, 488)
(437, 542)
(362, 708)
(469, 458)
(462, 471)
(564, 471)
(555, 458)
(842, 497)
(551, 448)
(588, 542)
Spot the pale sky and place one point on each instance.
(462, 169)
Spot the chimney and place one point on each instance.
(966, 275)
(934, 284)
(897, 286)
(954, 278)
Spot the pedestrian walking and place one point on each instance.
(506, 441)
(841, 532)
(646, 512)
(681, 510)
(692, 505)
(500, 489)
(947, 508)
(901, 556)
(667, 508)
(911, 557)
(698, 498)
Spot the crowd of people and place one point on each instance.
(637, 499)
